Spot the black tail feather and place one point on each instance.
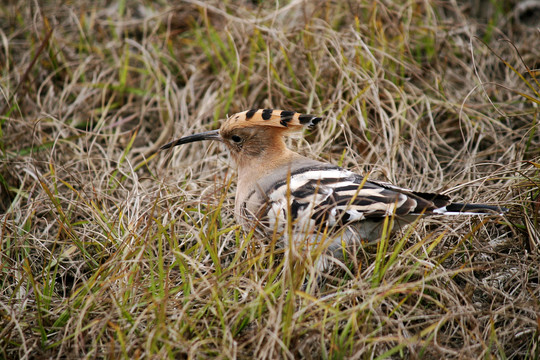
(477, 208)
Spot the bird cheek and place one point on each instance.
(234, 150)
(232, 146)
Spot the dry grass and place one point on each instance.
(111, 251)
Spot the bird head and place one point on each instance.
(254, 134)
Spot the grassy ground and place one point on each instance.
(109, 250)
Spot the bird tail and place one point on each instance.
(471, 209)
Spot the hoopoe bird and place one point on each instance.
(301, 200)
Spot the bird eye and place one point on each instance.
(237, 139)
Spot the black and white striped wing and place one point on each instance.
(331, 196)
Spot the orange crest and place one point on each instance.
(286, 120)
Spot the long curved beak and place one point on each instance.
(207, 135)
